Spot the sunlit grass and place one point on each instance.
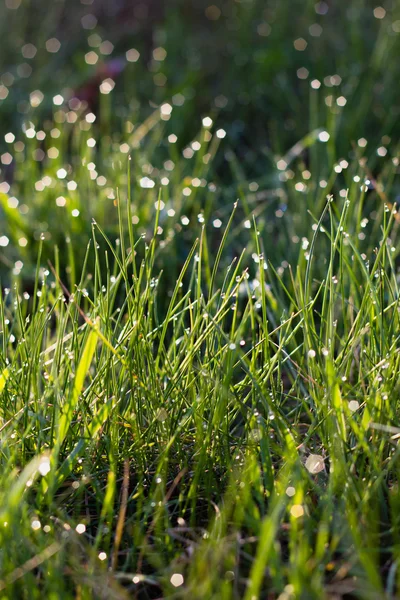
(248, 422)
(199, 308)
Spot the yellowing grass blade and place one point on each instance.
(3, 378)
(82, 371)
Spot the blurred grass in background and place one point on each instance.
(269, 73)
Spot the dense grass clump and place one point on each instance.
(199, 315)
(239, 435)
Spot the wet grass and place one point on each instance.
(199, 360)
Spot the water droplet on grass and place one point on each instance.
(297, 511)
(315, 464)
(35, 524)
(353, 405)
(80, 528)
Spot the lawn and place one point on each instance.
(199, 308)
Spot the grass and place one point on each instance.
(199, 364)
(239, 438)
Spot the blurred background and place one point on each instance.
(249, 60)
(212, 101)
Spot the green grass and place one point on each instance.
(184, 440)
(199, 339)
